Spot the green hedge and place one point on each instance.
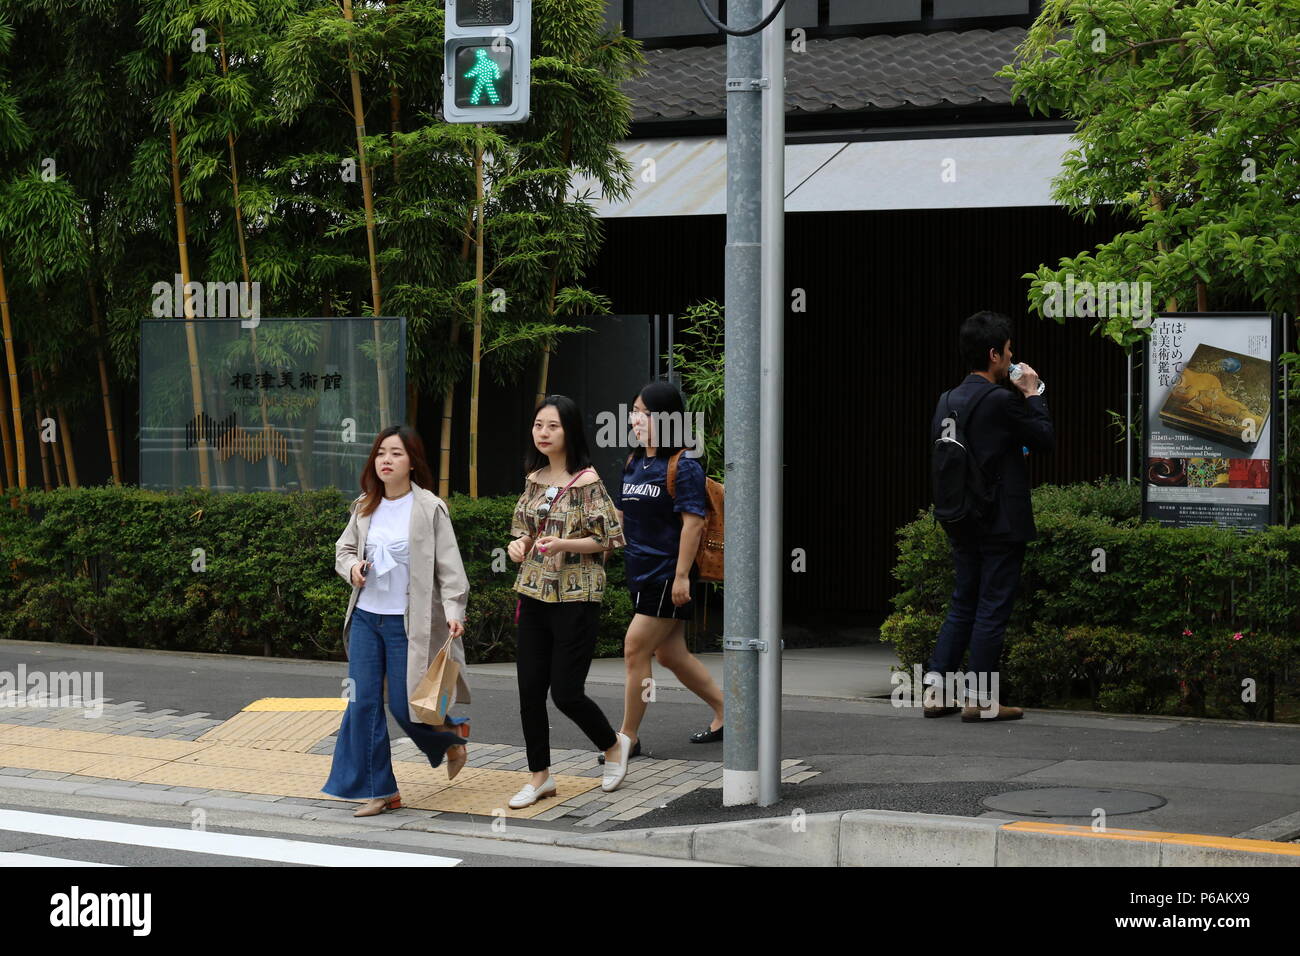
(114, 566)
(1174, 623)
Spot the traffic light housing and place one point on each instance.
(486, 59)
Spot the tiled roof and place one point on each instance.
(842, 73)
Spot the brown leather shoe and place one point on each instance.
(937, 711)
(971, 715)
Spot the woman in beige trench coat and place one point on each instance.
(409, 592)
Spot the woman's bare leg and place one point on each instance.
(644, 635)
(673, 654)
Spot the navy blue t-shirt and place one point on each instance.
(652, 526)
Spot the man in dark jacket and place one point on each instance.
(1009, 422)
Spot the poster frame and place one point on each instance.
(1275, 409)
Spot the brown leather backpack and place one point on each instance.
(708, 559)
(709, 555)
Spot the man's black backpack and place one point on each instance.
(964, 497)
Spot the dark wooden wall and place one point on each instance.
(885, 293)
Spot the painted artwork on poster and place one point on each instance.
(1211, 387)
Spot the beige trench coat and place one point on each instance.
(438, 589)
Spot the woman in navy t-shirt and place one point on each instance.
(662, 533)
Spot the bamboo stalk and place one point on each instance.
(105, 390)
(191, 340)
(15, 399)
(542, 373)
(65, 440)
(273, 482)
(56, 446)
(367, 196)
(478, 319)
(449, 394)
(65, 445)
(40, 417)
(544, 365)
(394, 118)
(6, 440)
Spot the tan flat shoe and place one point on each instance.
(379, 805)
(458, 756)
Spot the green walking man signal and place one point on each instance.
(487, 52)
(485, 76)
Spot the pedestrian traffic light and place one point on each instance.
(486, 61)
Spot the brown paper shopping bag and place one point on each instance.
(436, 692)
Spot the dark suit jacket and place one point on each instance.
(1003, 425)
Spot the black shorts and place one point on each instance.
(655, 599)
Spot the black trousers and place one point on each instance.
(555, 644)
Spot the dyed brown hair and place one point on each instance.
(372, 487)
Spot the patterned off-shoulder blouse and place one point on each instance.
(581, 512)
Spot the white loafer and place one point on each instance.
(615, 772)
(530, 794)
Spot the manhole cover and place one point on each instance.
(1072, 802)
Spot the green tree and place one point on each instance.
(1186, 120)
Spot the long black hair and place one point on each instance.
(663, 397)
(575, 437)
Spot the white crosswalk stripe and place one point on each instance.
(271, 849)
(31, 859)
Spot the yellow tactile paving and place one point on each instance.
(299, 703)
(245, 758)
(119, 766)
(292, 731)
(262, 749)
(59, 761)
(228, 778)
(92, 743)
(75, 740)
(151, 747)
(29, 736)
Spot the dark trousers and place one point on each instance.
(988, 576)
(555, 644)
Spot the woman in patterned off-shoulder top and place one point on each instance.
(564, 524)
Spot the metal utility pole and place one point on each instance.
(772, 418)
(743, 299)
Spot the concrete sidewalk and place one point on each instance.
(843, 751)
(846, 673)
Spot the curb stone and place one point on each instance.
(839, 838)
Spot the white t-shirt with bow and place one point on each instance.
(387, 546)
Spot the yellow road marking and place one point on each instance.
(1157, 836)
